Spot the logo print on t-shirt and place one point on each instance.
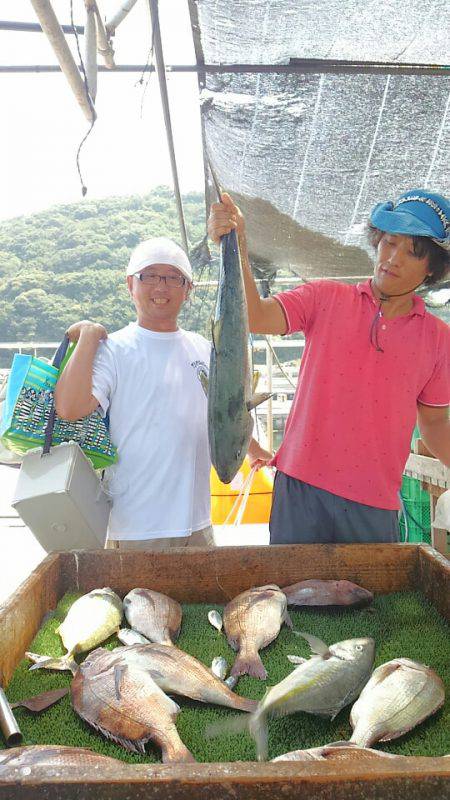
(202, 374)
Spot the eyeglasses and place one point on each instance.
(374, 332)
(152, 279)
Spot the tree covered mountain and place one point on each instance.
(68, 263)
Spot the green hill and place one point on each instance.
(68, 263)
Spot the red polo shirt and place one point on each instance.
(350, 426)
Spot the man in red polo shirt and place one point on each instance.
(375, 361)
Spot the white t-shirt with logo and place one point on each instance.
(150, 384)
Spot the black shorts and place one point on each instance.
(304, 514)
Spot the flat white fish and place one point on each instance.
(155, 615)
(252, 620)
(128, 636)
(399, 695)
(91, 619)
(215, 619)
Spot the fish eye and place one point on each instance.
(359, 647)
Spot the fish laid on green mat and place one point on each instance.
(403, 625)
(154, 615)
(399, 696)
(90, 620)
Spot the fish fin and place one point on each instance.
(255, 380)
(316, 645)
(287, 619)
(48, 662)
(155, 674)
(296, 659)
(119, 670)
(260, 733)
(257, 398)
(216, 329)
(236, 725)
(204, 380)
(249, 664)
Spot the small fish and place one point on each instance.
(252, 620)
(91, 619)
(129, 636)
(153, 614)
(337, 752)
(399, 695)
(125, 704)
(321, 685)
(45, 756)
(215, 619)
(176, 672)
(327, 593)
(231, 681)
(219, 667)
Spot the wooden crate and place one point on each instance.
(215, 576)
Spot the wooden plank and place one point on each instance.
(21, 615)
(216, 575)
(428, 469)
(410, 778)
(434, 578)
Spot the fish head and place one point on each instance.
(353, 595)
(361, 651)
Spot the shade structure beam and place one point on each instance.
(303, 66)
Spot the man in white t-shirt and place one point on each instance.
(147, 376)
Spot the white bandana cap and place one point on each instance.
(159, 251)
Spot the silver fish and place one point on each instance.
(322, 685)
(252, 620)
(91, 619)
(153, 614)
(219, 667)
(229, 390)
(215, 619)
(129, 636)
(231, 681)
(399, 695)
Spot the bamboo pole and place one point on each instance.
(52, 29)
(161, 72)
(90, 50)
(118, 17)
(104, 45)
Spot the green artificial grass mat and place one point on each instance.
(402, 624)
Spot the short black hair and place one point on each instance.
(438, 257)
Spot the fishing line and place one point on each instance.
(88, 96)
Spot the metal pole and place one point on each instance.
(269, 368)
(161, 72)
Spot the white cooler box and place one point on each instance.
(61, 499)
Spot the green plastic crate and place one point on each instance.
(417, 504)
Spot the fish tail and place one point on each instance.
(224, 726)
(176, 752)
(66, 662)
(249, 663)
(259, 731)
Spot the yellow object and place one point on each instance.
(223, 496)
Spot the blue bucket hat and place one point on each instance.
(416, 213)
